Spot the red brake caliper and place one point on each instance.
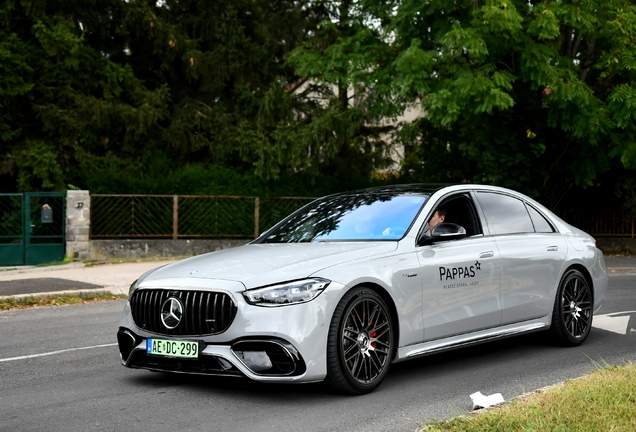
(372, 335)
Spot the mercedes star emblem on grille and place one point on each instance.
(171, 313)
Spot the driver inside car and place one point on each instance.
(438, 217)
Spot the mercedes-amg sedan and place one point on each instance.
(354, 282)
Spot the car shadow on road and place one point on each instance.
(236, 385)
(431, 370)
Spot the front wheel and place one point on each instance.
(572, 315)
(360, 343)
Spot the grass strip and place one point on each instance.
(605, 400)
(57, 300)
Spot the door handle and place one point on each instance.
(486, 254)
(552, 248)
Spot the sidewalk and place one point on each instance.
(79, 278)
(72, 278)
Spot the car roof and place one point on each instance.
(398, 189)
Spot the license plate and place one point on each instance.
(172, 348)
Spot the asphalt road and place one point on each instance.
(86, 389)
(42, 285)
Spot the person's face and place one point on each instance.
(435, 219)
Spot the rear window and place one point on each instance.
(541, 224)
(505, 214)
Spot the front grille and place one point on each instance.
(204, 313)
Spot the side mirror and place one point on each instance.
(443, 232)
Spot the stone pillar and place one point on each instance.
(78, 220)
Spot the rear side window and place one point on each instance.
(505, 214)
(541, 224)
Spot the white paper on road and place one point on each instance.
(613, 322)
(481, 401)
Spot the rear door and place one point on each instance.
(532, 256)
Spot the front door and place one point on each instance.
(461, 283)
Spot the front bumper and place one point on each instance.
(257, 358)
(269, 344)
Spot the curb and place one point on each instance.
(76, 293)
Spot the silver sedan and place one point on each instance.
(354, 282)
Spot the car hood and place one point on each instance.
(257, 265)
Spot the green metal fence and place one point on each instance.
(11, 229)
(606, 219)
(187, 216)
(196, 216)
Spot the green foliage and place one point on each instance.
(532, 95)
(341, 103)
(38, 164)
(72, 92)
(300, 96)
(159, 176)
(89, 89)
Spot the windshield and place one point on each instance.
(351, 217)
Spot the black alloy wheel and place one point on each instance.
(361, 342)
(572, 315)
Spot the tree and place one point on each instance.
(224, 64)
(111, 88)
(343, 107)
(62, 97)
(533, 95)
(539, 96)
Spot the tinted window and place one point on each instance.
(351, 217)
(540, 223)
(505, 214)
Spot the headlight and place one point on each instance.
(287, 293)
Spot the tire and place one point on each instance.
(572, 315)
(361, 343)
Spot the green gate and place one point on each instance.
(32, 228)
(11, 229)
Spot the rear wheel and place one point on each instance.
(572, 315)
(360, 344)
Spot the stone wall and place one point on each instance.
(78, 221)
(105, 249)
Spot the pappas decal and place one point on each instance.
(446, 273)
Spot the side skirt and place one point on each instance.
(474, 338)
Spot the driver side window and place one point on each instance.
(461, 211)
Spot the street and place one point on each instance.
(59, 368)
